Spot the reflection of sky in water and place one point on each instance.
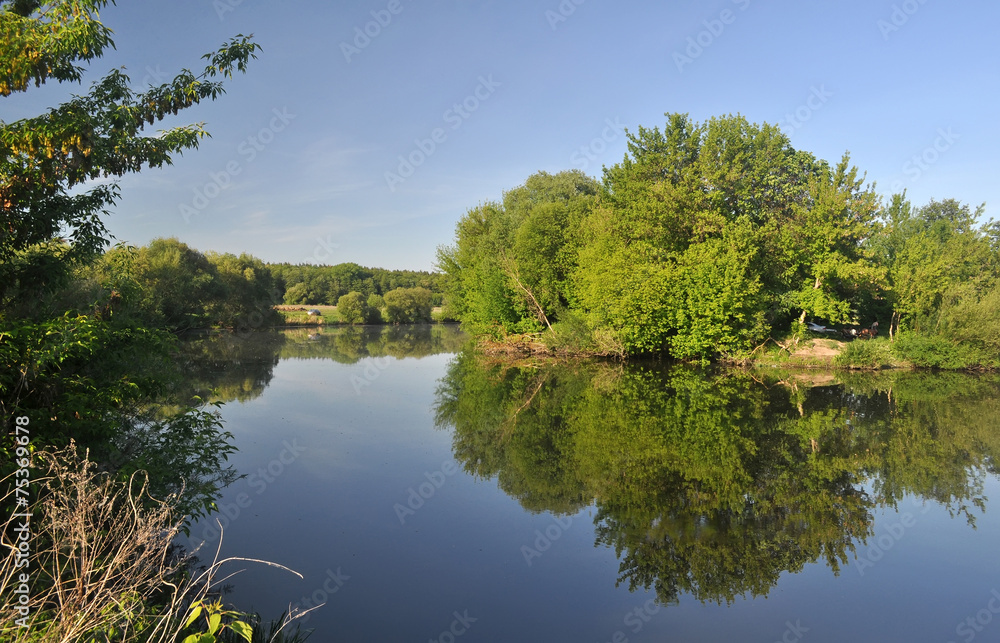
(328, 512)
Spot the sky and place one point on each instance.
(366, 128)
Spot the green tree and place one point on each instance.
(408, 306)
(353, 308)
(94, 135)
(510, 268)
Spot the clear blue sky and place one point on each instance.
(887, 81)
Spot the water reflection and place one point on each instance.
(227, 367)
(715, 483)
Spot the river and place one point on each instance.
(429, 494)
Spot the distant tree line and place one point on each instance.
(709, 238)
(307, 284)
(170, 284)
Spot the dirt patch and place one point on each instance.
(815, 352)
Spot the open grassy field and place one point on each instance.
(299, 315)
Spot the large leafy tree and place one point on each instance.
(46, 161)
(79, 367)
(512, 263)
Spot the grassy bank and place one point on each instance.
(299, 315)
(907, 350)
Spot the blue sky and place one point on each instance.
(304, 159)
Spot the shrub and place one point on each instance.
(353, 308)
(874, 353)
(408, 305)
(933, 351)
(103, 566)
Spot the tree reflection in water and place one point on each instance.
(715, 482)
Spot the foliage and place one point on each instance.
(707, 238)
(103, 564)
(305, 284)
(713, 483)
(510, 268)
(353, 308)
(933, 351)
(96, 135)
(408, 306)
(875, 353)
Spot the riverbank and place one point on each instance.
(908, 351)
(296, 316)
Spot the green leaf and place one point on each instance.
(243, 630)
(213, 623)
(195, 613)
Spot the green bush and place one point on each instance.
(571, 334)
(933, 351)
(353, 308)
(408, 305)
(873, 353)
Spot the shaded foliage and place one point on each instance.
(714, 483)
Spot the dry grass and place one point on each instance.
(101, 560)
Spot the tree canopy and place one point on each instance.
(706, 239)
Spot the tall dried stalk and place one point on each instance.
(101, 556)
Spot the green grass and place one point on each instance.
(867, 354)
(328, 315)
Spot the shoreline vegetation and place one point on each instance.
(704, 242)
(720, 242)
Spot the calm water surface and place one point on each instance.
(429, 495)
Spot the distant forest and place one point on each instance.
(312, 285)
